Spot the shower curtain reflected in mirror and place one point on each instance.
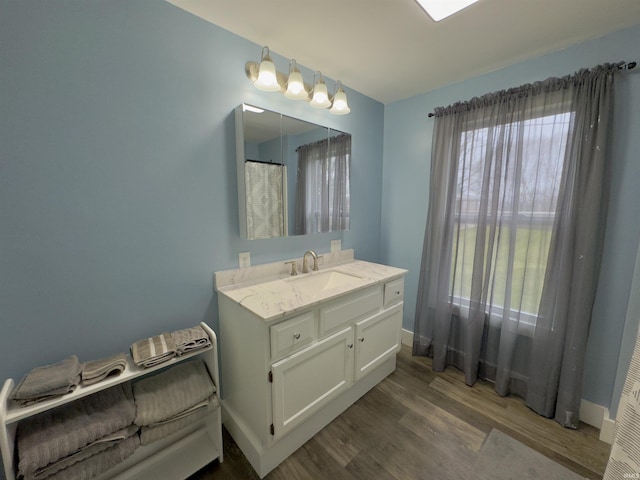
(266, 199)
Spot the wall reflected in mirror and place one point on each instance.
(293, 176)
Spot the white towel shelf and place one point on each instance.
(175, 457)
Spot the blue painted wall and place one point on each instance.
(118, 191)
(118, 197)
(407, 147)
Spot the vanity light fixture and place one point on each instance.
(265, 77)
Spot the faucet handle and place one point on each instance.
(315, 262)
(294, 267)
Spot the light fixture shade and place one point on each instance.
(340, 105)
(295, 84)
(267, 78)
(320, 97)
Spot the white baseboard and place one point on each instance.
(407, 337)
(590, 413)
(597, 416)
(606, 430)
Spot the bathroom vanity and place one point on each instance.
(296, 351)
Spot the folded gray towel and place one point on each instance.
(97, 370)
(99, 463)
(85, 452)
(49, 381)
(45, 438)
(188, 339)
(153, 351)
(158, 431)
(172, 391)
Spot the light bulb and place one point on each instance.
(320, 96)
(295, 84)
(340, 105)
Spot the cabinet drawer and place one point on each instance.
(393, 291)
(291, 335)
(339, 313)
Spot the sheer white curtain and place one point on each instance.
(517, 207)
(322, 186)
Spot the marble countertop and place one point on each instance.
(273, 298)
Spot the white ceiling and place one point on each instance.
(391, 49)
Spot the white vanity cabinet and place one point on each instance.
(284, 378)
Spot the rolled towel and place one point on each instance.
(153, 351)
(97, 370)
(46, 438)
(193, 338)
(172, 391)
(49, 381)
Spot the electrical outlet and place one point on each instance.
(336, 246)
(244, 259)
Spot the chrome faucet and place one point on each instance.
(305, 268)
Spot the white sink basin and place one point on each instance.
(319, 281)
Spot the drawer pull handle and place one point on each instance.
(361, 339)
(296, 336)
(350, 345)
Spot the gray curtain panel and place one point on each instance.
(322, 186)
(516, 216)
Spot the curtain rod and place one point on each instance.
(621, 66)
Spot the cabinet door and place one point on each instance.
(377, 339)
(306, 381)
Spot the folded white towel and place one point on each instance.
(171, 392)
(161, 430)
(49, 381)
(153, 351)
(97, 370)
(99, 463)
(90, 450)
(188, 339)
(45, 438)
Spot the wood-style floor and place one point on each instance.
(418, 424)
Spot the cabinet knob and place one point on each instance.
(361, 339)
(296, 336)
(350, 345)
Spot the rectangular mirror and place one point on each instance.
(293, 176)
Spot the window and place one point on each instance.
(506, 196)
